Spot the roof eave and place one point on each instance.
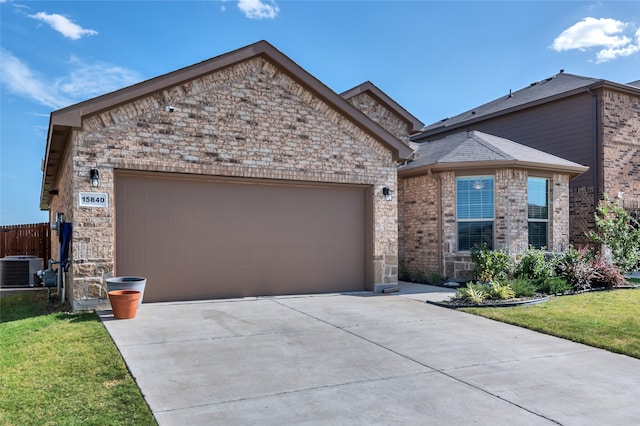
(71, 117)
(572, 170)
(422, 136)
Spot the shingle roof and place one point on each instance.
(63, 120)
(561, 84)
(476, 149)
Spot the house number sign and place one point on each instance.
(93, 199)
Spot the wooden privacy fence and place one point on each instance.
(32, 239)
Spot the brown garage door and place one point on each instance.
(199, 239)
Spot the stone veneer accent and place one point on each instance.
(427, 212)
(247, 120)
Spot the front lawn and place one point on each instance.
(58, 368)
(603, 319)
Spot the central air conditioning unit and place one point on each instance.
(20, 271)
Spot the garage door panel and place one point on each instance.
(196, 239)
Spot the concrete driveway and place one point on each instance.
(362, 359)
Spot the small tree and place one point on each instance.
(619, 232)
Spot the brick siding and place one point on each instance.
(621, 147)
(386, 118)
(247, 120)
(428, 243)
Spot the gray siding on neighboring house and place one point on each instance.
(563, 128)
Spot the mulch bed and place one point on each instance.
(492, 303)
(538, 298)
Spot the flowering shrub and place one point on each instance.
(575, 266)
(606, 274)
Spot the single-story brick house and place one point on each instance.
(242, 175)
(472, 188)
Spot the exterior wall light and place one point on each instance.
(94, 178)
(388, 195)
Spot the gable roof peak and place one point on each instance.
(368, 87)
(62, 121)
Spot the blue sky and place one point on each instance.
(436, 59)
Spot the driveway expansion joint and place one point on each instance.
(296, 391)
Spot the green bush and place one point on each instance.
(403, 274)
(491, 265)
(436, 278)
(554, 285)
(523, 287)
(620, 232)
(536, 264)
(417, 277)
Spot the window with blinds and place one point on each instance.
(474, 211)
(538, 211)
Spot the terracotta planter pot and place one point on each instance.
(124, 303)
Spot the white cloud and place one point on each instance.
(19, 79)
(89, 80)
(613, 52)
(63, 25)
(604, 33)
(84, 81)
(259, 9)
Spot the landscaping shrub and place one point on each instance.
(495, 290)
(523, 287)
(606, 274)
(417, 277)
(436, 278)
(491, 265)
(473, 293)
(555, 285)
(576, 267)
(620, 232)
(536, 264)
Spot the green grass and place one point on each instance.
(603, 319)
(58, 368)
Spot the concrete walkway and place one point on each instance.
(363, 359)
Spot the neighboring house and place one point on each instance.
(242, 175)
(589, 121)
(471, 189)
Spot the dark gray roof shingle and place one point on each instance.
(475, 148)
(559, 84)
